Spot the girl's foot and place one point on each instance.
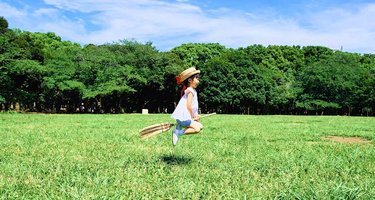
(176, 135)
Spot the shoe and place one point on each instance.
(175, 136)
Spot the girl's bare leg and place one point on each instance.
(194, 128)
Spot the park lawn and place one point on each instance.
(53, 156)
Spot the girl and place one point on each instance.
(186, 112)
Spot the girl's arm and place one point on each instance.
(189, 104)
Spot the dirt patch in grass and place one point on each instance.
(349, 140)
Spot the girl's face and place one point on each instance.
(194, 81)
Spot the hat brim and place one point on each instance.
(188, 75)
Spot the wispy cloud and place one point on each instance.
(11, 12)
(350, 28)
(169, 24)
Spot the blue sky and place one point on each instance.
(170, 23)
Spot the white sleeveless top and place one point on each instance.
(181, 112)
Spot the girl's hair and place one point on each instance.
(185, 84)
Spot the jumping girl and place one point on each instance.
(186, 112)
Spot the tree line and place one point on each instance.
(39, 72)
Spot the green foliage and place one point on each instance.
(26, 77)
(41, 72)
(113, 80)
(3, 25)
(196, 55)
(316, 53)
(71, 85)
(2, 99)
(337, 80)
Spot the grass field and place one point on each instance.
(236, 157)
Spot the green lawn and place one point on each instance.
(235, 157)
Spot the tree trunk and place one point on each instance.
(17, 106)
(350, 109)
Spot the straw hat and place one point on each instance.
(186, 74)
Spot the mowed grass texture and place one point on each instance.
(235, 157)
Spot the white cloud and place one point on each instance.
(351, 29)
(169, 24)
(141, 20)
(10, 12)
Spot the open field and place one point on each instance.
(236, 157)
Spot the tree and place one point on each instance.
(314, 54)
(366, 94)
(43, 73)
(332, 83)
(197, 54)
(6, 53)
(146, 77)
(280, 64)
(3, 25)
(26, 77)
(62, 87)
(214, 89)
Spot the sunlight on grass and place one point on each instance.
(235, 157)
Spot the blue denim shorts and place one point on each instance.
(182, 124)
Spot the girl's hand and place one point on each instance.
(197, 118)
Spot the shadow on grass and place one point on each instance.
(175, 160)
